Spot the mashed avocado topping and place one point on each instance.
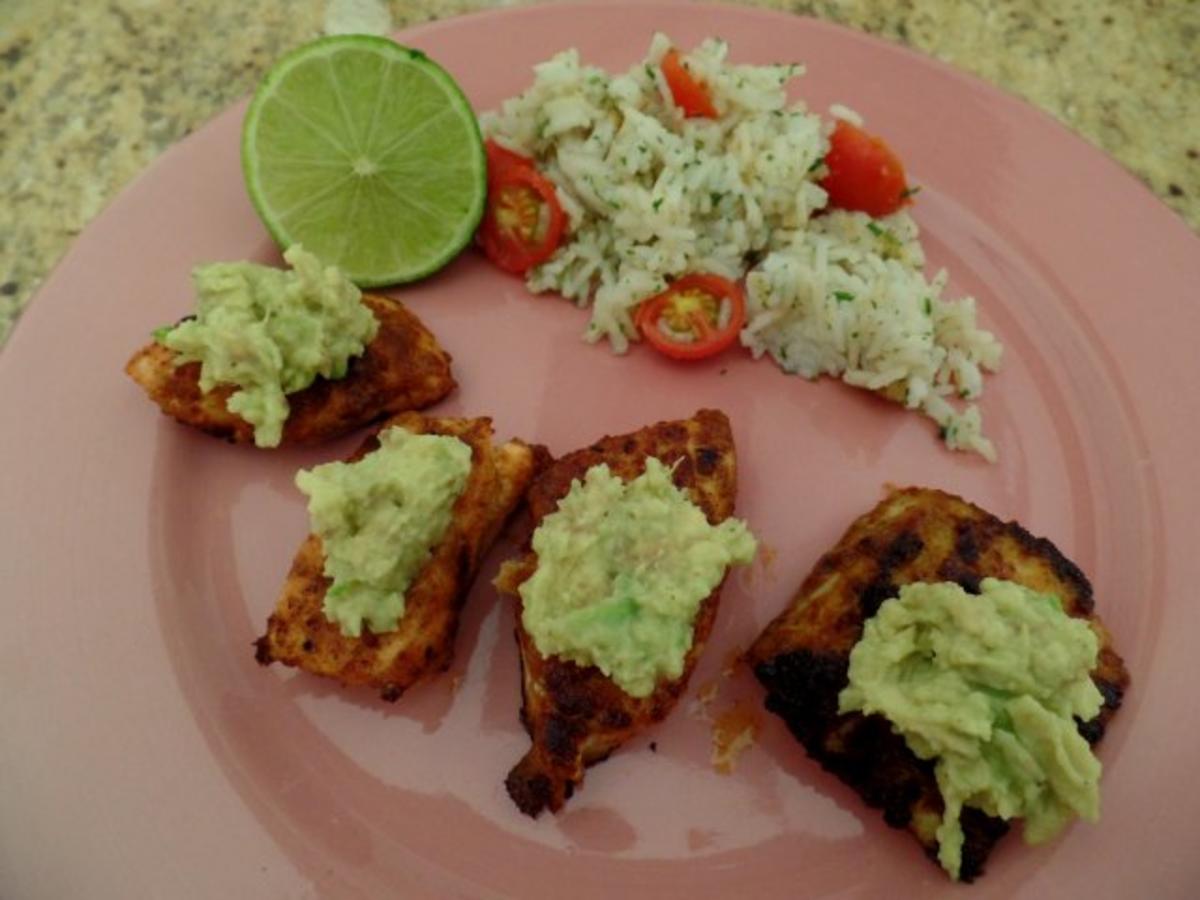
(379, 519)
(989, 686)
(271, 332)
(622, 568)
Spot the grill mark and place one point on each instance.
(966, 544)
(1062, 567)
(903, 549)
(967, 579)
(864, 751)
(560, 739)
(797, 692)
(871, 597)
(567, 684)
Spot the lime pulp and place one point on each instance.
(368, 154)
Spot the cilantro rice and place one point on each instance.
(651, 195)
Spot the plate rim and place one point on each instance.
(973, 82)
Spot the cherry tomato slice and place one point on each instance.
(698, 316)
(864, 173)
(689, 94)
(523, 223)
(501, 159)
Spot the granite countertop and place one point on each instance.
(90, 93)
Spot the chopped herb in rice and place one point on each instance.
(838, 294)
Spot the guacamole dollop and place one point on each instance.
(271, 332)
(622, 568)
(379, 519)
(989, 686)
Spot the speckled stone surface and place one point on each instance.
(91, 92)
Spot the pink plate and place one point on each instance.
(143, 753)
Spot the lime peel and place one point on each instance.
(368, 153)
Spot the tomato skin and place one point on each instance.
(518, 191)
(864, 174)
(689, 94)
(712, 338)
(501, 159)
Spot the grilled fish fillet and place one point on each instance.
(802, 657)
(576, 715)
(403, 368)
(298, 634)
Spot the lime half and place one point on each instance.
(369, 155)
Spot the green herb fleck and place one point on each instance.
(657, 203)
(817, 163)
(876, 230)
(928, 307)
(910, 192)
(159, 333)
(843, 296)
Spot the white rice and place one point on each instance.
(652, 195)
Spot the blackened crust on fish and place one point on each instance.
(391, 692)
(1111, 688)
(966, 545)
(802, 657)
(871, 597)
(980, 834)
(864, 751)
(804, 681)
(422, 644)
(1065, 570)
(531, 790)
(403, 368)
(707, 459)
(901, 550)
(576, 716)
(262, 651)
